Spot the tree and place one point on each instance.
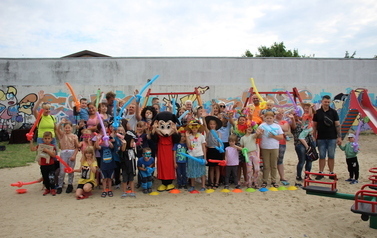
(248, 54)
(347, 55)
(276, 50)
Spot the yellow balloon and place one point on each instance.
(262, 101)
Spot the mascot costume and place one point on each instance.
(165, 135)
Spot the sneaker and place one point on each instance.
(332, 177)
(298, 185)
(226, 187)
(149, 190)
(191, 189)
(47, 191)
(238, 186)
(117, 186)
(299, 178)
(349, 180)
(185, 187)
(202, 189)
(132, 195)
(69, 188)
(319, 177)
(124, 195)
(354, 181)
(59, 190)
(53, 192)
(145, 191)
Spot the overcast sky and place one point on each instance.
(324, 28)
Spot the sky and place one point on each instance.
(175, 28)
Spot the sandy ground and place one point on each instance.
(258, 214)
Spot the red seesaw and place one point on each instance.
(220, 162)
(20, 184)
(67, 168)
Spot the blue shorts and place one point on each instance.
(107, 173)
(326, 147)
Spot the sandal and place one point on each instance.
(284, 182)
(275, 185)
(103, 194)
(264, 185)
(81, 197)
(216, 185)
(110, 193)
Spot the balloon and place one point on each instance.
(105, 137)
(97, 98)
(244, 152)
(220, 162)
(262, 101)
(67, 168)
(200, 161)
(182, 116)
(77, 103)
(118, 117)
(148, 84)
(150, 170)
(30, 135)
(20, 184)
(221, 147)
(297, 110)
(173, 106)
(269, 129)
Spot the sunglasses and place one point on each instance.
(223, 106)
(194, 126)
(148, 154)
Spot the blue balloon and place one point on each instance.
(200, 161)
(182, 116)
(221, 147)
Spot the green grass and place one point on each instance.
(16, 155)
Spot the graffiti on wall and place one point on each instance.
(15, 111)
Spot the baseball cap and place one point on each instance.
(350, 135)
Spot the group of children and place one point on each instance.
(126, 153)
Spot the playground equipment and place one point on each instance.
(357, 102)
(196, 92)
(294, 93)
(365, 200)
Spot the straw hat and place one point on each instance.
(195, 123)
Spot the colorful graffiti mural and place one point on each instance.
(15, 112)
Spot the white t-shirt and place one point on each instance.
(268, 142)
(196, 148)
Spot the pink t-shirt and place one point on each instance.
(231, 155)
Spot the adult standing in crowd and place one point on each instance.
(47, 122)
(303, 160)
(326, 129)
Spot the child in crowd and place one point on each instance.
(102, 109)
(141, 138)
(269, 108)
(86, 137)
(82, 111)
(88, 168)
(69, 146)
(45, 158)
(248, 141)
(232, 161)
(351, 150)
(147, 114)
(307, 123)
(270, 133)
(196, 144)
(146, 168)
(117, 138)
(212, 125)
(181, 161)
(107, 162)
(128, 163)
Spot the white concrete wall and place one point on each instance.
(226, 77)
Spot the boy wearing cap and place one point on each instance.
(351, 149)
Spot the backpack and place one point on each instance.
(312, 153)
